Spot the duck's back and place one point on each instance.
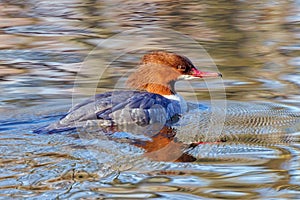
(119, 108)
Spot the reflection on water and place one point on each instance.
(255, 45)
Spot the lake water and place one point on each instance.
(54, 54)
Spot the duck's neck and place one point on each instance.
(160, 89)
(155, 79)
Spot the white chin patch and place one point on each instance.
(187, 77)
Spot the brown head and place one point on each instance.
(159, 70)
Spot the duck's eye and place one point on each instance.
(181, 67)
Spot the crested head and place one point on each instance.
(159, 70)
(162, 58)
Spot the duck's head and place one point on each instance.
(159, 70)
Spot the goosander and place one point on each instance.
(153, 100)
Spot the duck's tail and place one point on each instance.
(54, 128)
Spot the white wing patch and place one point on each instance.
(182, 102)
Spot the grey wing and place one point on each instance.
(87, 109)
(140, 108)
(117, 108)
(101, 103)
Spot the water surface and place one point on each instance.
(254, 44)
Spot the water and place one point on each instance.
(254, 44)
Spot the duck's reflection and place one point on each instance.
(163, 146)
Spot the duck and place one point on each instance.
(152, 99)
